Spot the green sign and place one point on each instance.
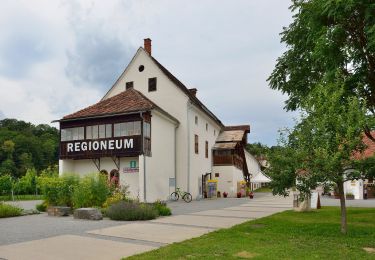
(133, 164)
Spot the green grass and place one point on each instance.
(9, 211)
(21, 197)
(286, 235)
(263, 189)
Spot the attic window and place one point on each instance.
(206, 127)
(141, 68)
(151, 84)
(196, 120)
(129, 84)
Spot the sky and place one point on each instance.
(57, 57)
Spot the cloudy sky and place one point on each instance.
(59, 56)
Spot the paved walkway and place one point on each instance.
(112, 240)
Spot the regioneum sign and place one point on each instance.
(102, 145)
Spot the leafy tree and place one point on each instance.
(25, 146)
(321, 146)
(257, 149)
(328, 38)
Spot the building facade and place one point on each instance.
(152, 133)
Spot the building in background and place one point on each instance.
(152, 133)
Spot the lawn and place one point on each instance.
(286, 235)
(21, 197)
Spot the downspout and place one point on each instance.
(175, 157)
(144, 160)
(188, 140)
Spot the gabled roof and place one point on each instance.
(178, 83)
(231, 136)
(245, 128)
(126, 102)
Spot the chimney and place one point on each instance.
(147, 45)
(193, 91)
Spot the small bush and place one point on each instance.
(7, 210)
(42, 207)
(118, 194)
(91, 191)
(131, 211)
(6, 184)
(27, 184)
(162, 208)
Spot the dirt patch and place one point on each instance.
(245, 254)
(258, 226)
(370, 250)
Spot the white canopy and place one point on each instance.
(260, 177)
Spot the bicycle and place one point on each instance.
(186, 196)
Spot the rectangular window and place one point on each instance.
(196, 144)
(63, 135)
(147, 130)
(206, 127)
(151, 84)
(108, 131)
(81, 133)
(89, 132)
(129, 84)
(95, 133)
(129, 128)
(101, 131)
(117, 130)
(206, 149)
(196, 120)
(75, 133)
(214, 132)
(137, 128)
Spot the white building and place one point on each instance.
(152, 133)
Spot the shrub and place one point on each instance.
(91, 191)
(118, 194)
(162, 208)
(131, 211)
(27, 184)
(57, 191)
(7, 210)
(42, 207)
(5, 184)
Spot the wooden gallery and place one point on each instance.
(152, 133)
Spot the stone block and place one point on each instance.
(59, 211)
(88, 213)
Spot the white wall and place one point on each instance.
(228, 178)
(199, 164)
(167, 96)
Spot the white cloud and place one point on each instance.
(59, 56)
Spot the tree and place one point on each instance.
(322, 144)
(328, 38)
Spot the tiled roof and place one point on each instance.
(231, 136)
(219, 146)
(370, 149)
(127, 101)
(245, 128)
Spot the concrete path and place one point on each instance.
(113, 240)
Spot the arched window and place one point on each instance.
(115, 177)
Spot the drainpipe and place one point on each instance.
(144, 160)
(175, 157)
(188, 145)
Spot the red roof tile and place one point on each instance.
(370, 149)
(127, 101)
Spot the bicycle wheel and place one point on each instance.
(187, 197)
(174, 196)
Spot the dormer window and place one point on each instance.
(152, 84)
(129, 84)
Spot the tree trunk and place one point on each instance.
(344, 228)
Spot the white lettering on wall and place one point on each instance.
(84, 146)
(128, 143)
(100, 145)
(95, 145)
(110, 144)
